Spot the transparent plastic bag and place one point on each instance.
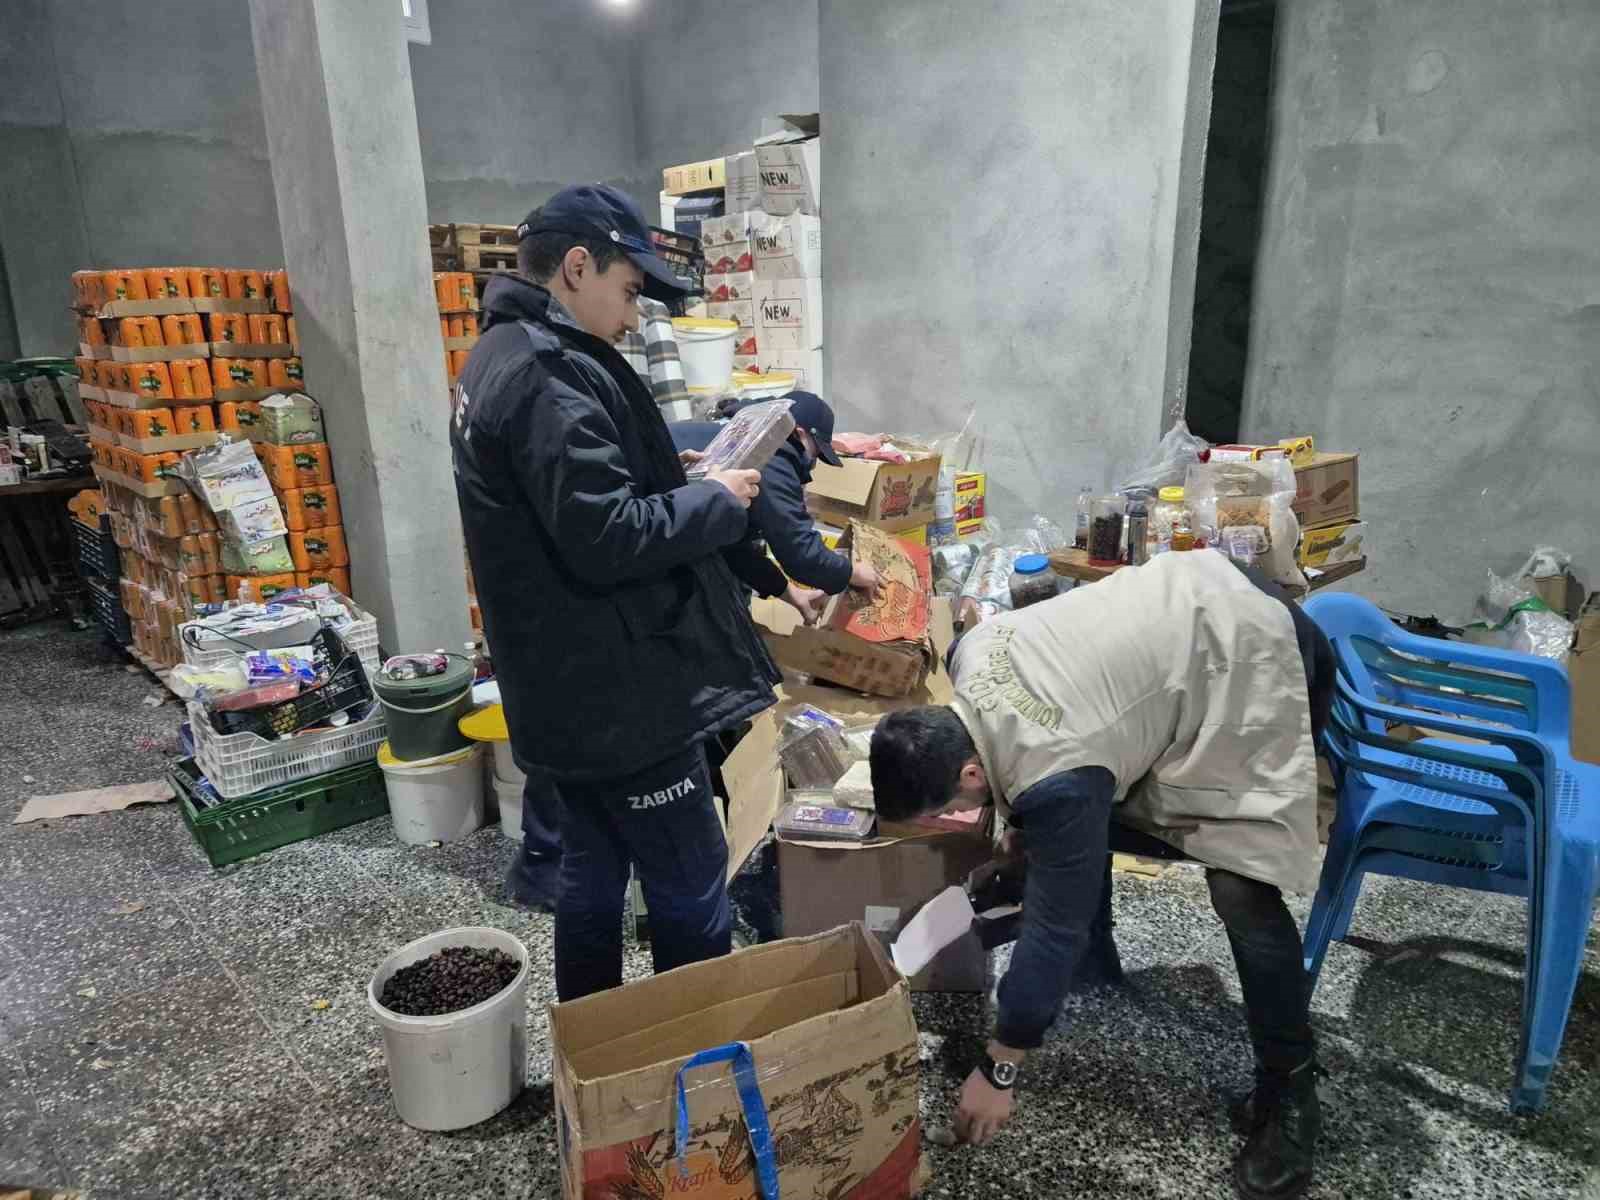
(989, 581)
(1246, 508)
(813, 749)
(1042, 536)
(1177, 452)
(1514, 617)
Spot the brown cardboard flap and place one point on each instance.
(218, 304)
(140, 354)
(742, 1019)
(171, 307)
(754, 777)
(1583, 671)
(662, 999)
(150, 491)
(848, 483)
(251, 350)
(176, 442)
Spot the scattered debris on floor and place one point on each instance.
(95, 800)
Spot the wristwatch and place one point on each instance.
(1001, 1075)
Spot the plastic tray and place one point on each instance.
(346, 687)
(230, 830)
(238, 764)
(98, 557)
(107, 606)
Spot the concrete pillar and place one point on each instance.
(1010, 213)
(342, 133)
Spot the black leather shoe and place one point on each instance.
(1281, 1120)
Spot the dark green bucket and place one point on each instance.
(423, 713)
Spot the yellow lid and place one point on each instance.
(1172, 495)
(487, 724)
(703, 324)
(777, 383)
(387, 760)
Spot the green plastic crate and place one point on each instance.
(237, 829)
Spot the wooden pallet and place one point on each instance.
(473, 247)
(163, 674)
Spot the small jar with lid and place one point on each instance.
(1168, 513)
(1182, 537)
(1032, 580)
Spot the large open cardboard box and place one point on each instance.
(829, 1026)
(1583, 669)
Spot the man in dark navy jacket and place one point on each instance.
(616, 627)
(779, 515)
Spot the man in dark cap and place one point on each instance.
(617, 634)
(779, 516)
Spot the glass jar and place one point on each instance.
(1080, 528)
(1032, 580)
(1182, 538)
(1168, 513)
(1105, 529)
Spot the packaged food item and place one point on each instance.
(166, 283)
(258, 589)
(1105, 529)
(194, 418)
(266, 329)
(297, 466)
(278, 282)
(228, 417)
(1246, 507)
(153, 468)
(748, 440)
(231, 374)
(293, 331)
(823, 822)
(207, 283)
(1032, 580)
(1168, 512)
(287, 373)
(311, 507)
(245, 285)
(812, 748)
(469, 325)
(182, 329)
(191, 380)
(317, 549)
(153, 381)
(452, 326)
(291, 419)
(148, 423)
(228, 327)
(125, 285)
(338, 578)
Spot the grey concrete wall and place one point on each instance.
(1428, 290)
(515, 102)
(138, 130)
(710, 71)
(1002, 207)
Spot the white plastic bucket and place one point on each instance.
(456, 1069)
(435, 799)
(509, 796)
(705, 346)
(505, 765)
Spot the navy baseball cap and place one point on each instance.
(811, 412)
(594, 210)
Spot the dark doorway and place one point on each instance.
(1230, 217)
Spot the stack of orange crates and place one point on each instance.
(457, 297)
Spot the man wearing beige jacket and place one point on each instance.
(1173, 707)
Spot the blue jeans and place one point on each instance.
(663, 821)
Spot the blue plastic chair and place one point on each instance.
(1515, 815)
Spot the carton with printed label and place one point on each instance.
(788, 247)
(789, 166)
(788, 313)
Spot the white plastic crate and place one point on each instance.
(360, 637)
(238, 764)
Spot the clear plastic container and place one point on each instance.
(1080, 530)
(1169, 511)
(1105, 529)
(824, 822)
(748, 440)
(1032, 580)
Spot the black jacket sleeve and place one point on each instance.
(576, 478)
(1066, 822)
(780, 513)
(755, 570)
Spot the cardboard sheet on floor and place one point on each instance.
(96, 800)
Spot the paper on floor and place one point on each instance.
(940, 921)
(96, 800)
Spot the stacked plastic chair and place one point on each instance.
(1509, 812)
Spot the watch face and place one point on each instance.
(1005, 1073)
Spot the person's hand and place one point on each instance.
(806, 601)
(689, 457)
(982, 1110)
(743, 486)
(865, 577)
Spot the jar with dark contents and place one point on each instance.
(1105, 530)
(1032, 580)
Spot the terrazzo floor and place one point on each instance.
(161, 1033)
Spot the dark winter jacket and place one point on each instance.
(780, 517)
(617, 632)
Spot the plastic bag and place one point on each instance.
(989, 581)
(1042, 536)
(1246, 509)
(1515, 618)
(1178, 451)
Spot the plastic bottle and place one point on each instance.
(1080, 529)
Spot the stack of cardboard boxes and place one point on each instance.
(763, 252)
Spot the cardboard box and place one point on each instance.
(1332, 544)
(788, 313)
(972, 487)
(920, 536)
(1562, 593)
(1328, 490)
(694, 177)
(892, 496)
(804, 365)
(735, 227)
(720, 289)
(885, 648)
(1583, 670)
(789, 166)
(730, 258)
(827, 1024)
(882, 883)
(744, 312)
(788, 247)
(742, 186)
